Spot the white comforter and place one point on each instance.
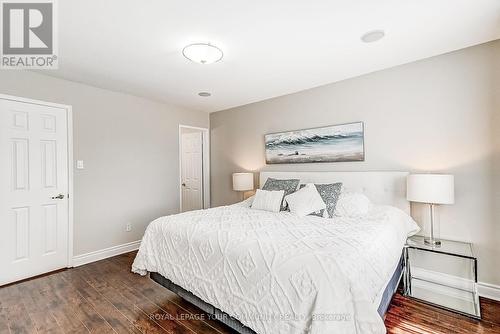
(279, 273)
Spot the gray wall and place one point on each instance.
(494, 236)
(130, 149)
(438, 115)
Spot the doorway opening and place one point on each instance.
(194, 165)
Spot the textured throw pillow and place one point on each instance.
(288, 186)
(305, 201)
(268, 200)
(330, 193)
(352, 205)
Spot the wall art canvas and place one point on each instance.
(336, 143)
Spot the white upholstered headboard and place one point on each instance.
(387, 188)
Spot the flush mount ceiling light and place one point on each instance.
(202, 53)
(373, 36)
(204, 94)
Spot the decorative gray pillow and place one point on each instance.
(289, 186)
(330, 193)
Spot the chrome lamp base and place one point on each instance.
(431, 240)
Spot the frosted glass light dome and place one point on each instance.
(202, 53)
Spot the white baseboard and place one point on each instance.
(102, 254)
(486, 290)
(490, 291)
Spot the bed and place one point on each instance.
(267, 272)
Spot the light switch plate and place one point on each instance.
(79, 164)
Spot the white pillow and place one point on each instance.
(352, 205)
(305, 201)
(268, 200)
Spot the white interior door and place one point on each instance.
(33, 190)
(192, 170)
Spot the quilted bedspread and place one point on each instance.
(280, 273)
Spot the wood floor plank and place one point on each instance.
(161, 298)
(62, 312)
(4, 324)
(164, 319)
(490, 310)
(168, 300)
(130, 310)
(405, 312)
(81, 308)
(426, 321)
(197, 319)
(119, 322)
(18, 318)
(37, 309)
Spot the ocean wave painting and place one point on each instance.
(337, 143)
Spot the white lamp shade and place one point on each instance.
(431, 188)
(242, 181)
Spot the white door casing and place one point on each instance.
(192, 170)
(34, 171)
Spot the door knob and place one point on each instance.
(60, 196)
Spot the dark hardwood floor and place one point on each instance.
(105, 297)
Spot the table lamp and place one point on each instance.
(242, 182)
(432, 189)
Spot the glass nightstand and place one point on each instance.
(444, 276)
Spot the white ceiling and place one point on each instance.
(271, 48)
